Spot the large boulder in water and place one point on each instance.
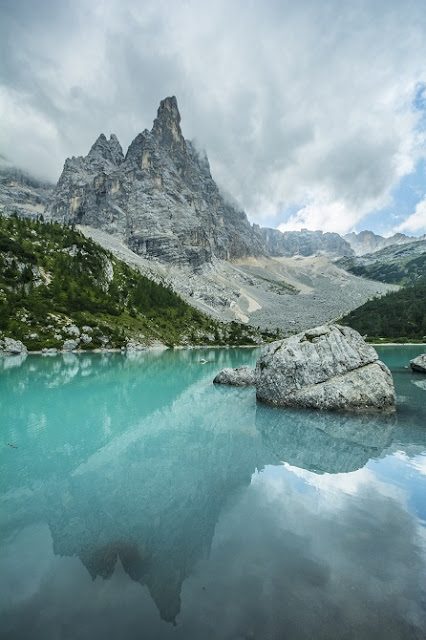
(329, 367)
(419, 363)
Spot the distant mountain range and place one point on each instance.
(368, 242)
(397, 263)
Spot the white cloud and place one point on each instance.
(417, 462)
(325, 212)
(416, 222)
(27, 137)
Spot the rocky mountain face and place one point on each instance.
(22, 194)
(305, 243)
(368, 242)
(160, 198)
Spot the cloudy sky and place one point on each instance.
(313, 114)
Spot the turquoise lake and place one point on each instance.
(139, 500)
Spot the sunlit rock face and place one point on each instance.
(160, 198)
(328, 367)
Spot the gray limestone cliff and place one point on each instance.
(160, 198)
(305, 243)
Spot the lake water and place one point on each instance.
(139, 500)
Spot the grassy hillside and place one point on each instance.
(53, 279)
(398, 316)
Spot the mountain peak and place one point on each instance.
(161, 198)
(168, 109)
(167, 124)
(109, 150)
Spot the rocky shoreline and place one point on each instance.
(161, 346)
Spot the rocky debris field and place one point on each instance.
(286, 293)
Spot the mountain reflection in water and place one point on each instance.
(132, 462)
(323, 442)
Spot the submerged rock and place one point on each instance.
(240, 377)
(419, 363)
(328, 367)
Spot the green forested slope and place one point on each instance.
(52, 277)
(397, 316)
(400, 315)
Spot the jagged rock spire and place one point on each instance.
(107, 149)
(116, 149)
(167, 124)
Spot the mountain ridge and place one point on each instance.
(396, 264)
(366, 241)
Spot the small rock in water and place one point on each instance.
(240, 377)
(419, 363)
